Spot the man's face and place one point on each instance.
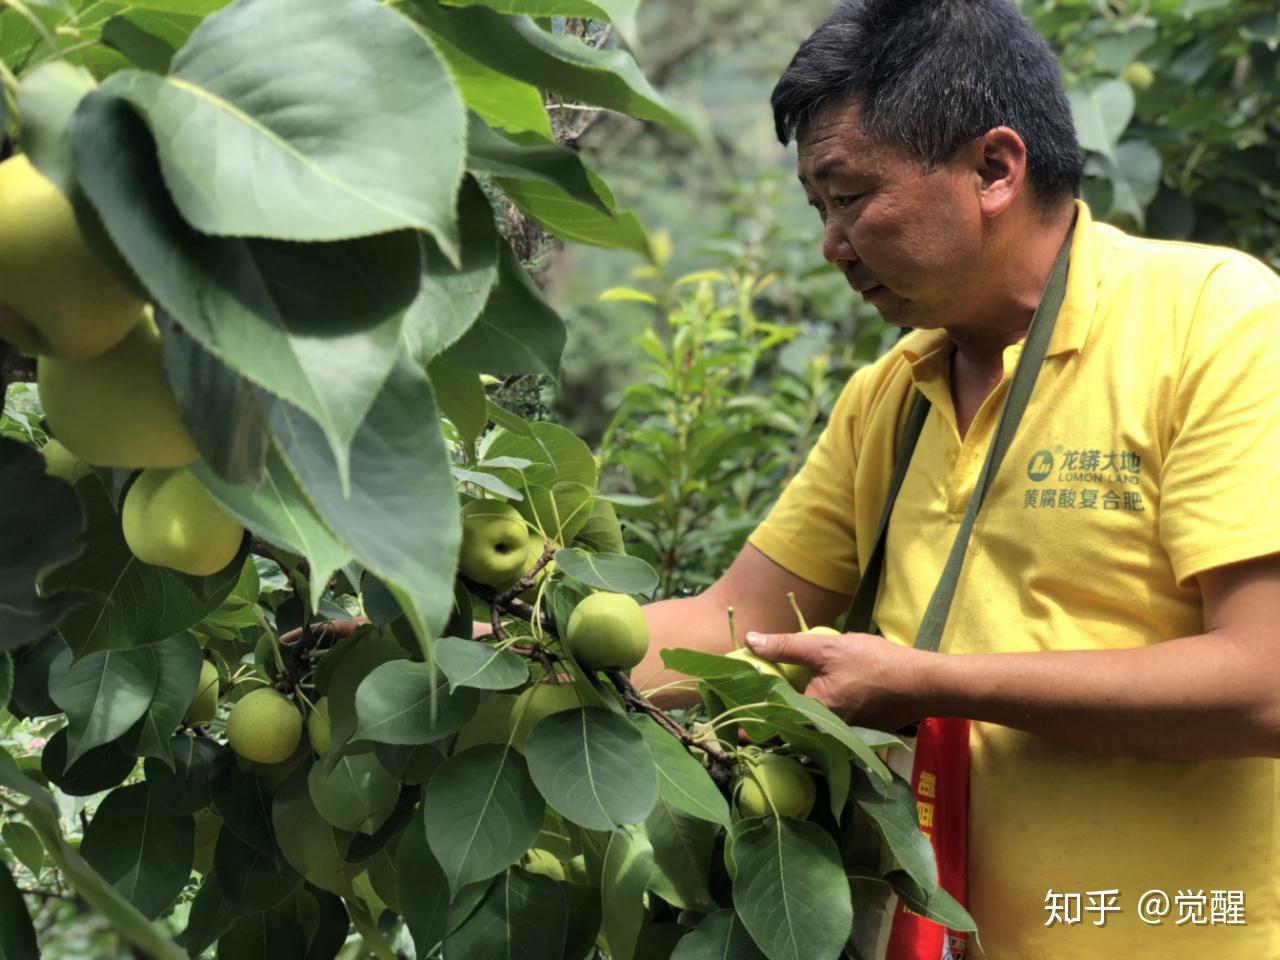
(907, 239)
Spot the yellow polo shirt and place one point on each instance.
(1150, 451)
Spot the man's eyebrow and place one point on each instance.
(824, 171)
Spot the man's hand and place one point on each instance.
(867, 680)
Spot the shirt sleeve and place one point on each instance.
(810, 530)
(1220, 482)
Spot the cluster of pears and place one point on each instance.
(101, 383)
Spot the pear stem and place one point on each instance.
(804, 627)
(733, 633)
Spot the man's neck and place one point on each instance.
(1026, 260)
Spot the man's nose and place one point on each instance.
(835, 245)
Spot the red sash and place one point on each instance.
(940, 781)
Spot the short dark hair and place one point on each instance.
(931, 75)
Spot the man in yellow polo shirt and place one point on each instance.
(1115, 634)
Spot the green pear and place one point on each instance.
(170, 520)
(539, 701)
(61, 462)
(491, 723)
(204, 705)
(264, 726)
(608, 631)
(575, 870)
(543, 862)
(494, 539)
(319, 729)
(56, 299)
(117, 409)
(771, 777)
(797, 676)
(1138, 75)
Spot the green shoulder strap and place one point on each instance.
(858, 617)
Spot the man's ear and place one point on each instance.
(999, 157)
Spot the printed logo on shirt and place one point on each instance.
(1085, 478)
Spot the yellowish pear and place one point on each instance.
(608, 631)
(264, 726)
(204, 705)
(117, 409)
(170, 520)
(56, 298)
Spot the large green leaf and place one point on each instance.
(932, 902)
(683, 783)
(523, 917)
(530, 157)
(624, 873)
(570, 219)
(503, 101)
(682, 849)
(450, 297)
(104, 694)
(462, 400)
(518, 47)
(789, 888)
(134, 603)
(95, 771)
(607, 571)
(468, 663)
(283, 315)
(186, 786)
(141, 847)
(277, 510)
(517, 332)
(249, 880)
(311, 845)
(177, 669)
(620, 13)
(353, 790)
(892, 808)
(482, 813)
(560, 470)
(253, 89)
(405, 702)
(718, 936)
(40, 523)
(593, 767)
(827, 722)
(1101, 111)
(424, 889)
(400, 519)
(263, 936)
(17, 934)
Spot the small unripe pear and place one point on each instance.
(543, 862)
(319, 730)
(784, 780)
(264, 727)
(608, 631)
(204, 705)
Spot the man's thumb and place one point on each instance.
(786, 647)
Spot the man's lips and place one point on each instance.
(867, 290)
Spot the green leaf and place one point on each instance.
(789, 888)
(468, 663)
(143, 49)
(400, 519)
(626, 866)
(103, 695)
(177, 668)
(47, 97)
(502, 101)
(186, 786)
(593, 767)
(310, 844)
(210, 917)
(244, 803)
(141, 848)
(249, 880)
(6, 679)
(97, 770)
(353, 791)
(40, 521)
(1101, 111)
(406, 703)
(517, 332)
(892, 808)
(25, 844)
(620, 13)
(682, 849)
(934, 903)
(827, 722)
(263, 936)
(17, 934)
(718, 936)
(252, 89)
(280, 314)
(577, 222)
(530, 157)
(683, 783)
(607, 571)
(482, 812)
(424, 889)
(462, 399)
(1134, 172)
(134, 603)
(358, 655)
(517, 47)
(524, 916)
(277, 510)
(555, 455)
(601, 533)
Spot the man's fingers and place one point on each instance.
(799, 648)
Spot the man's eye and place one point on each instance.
(845, 202)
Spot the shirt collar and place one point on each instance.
(1074, 319)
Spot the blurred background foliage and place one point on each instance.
(706, 394)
